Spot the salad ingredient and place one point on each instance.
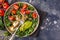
(8, 23)
(1, 12)
(11, 28)
(26, 25)
(30, 8)
(1, 24)
(13, 11)
(24, 17)
(28, 12)
(11, 18)
(34, 15)
(5, 5)
(25, 6)
(20, 5)
(16, 6)
(15, 23)
(23, 11)
(17, 18)
(2, 1)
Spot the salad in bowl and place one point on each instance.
(21, 11)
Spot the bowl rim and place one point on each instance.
(35, 10)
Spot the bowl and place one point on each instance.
(10, 7)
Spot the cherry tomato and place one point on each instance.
(23, 11)
(13, 11)
(1, 12)
(2, 1)
(25, 6)
(34, 15)
(27, 12)
(16, 6)
(11, 18)
(5, 5)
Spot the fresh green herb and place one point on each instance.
(8, 23)
(30, 8)
(1, 24)
(30, 15)
(20, 4)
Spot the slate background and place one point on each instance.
(49, 11)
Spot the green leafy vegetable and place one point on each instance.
(20, 4)
(1, 24)
(8, 23)
(30, 8)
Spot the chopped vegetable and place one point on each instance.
(30, 8)
(26, 25)
(20, 5)
(5, 5)
(8, 23)
(17, 18)
(2, 1)
(16, 6)
(15, 23)
(1, 12)
(13, 11)
(25, 6)
(27, 12)
(11, 18)
(1, 24)
(11, 28)
(34, 15)
(23, 11)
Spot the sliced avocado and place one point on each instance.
(26, 25)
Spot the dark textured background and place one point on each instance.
(49, 29)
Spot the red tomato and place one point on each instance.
(23, 11)
(25, 6)
(16, 6)
(5, 5)
(27, 12)
(11, 18)
(1, 12)
(2, 1)
(34, 15)
(13, 11)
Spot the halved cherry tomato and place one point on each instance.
(5, 5)
(23, 11)
(13, 11)
(27, 12)
(1, 12)
(16, 6)
(2, 1)
(11, 18)
(34, 15)
(25, 6)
